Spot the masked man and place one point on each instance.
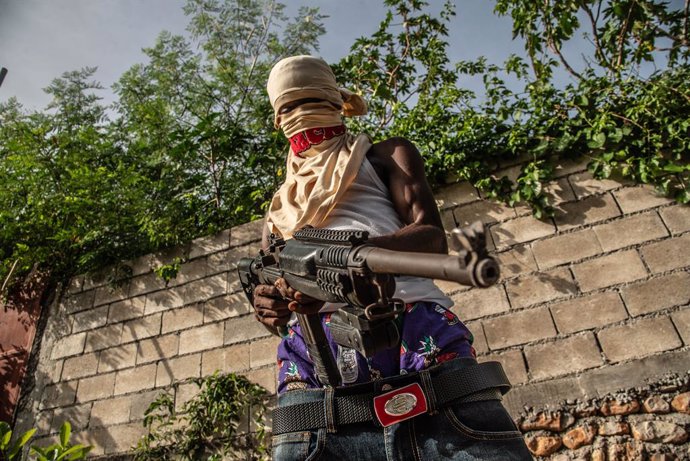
(338, 180)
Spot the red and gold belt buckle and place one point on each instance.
(400, 404)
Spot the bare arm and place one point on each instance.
(401, 167)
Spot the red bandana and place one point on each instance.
(303, 140)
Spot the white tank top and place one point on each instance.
(367, 206)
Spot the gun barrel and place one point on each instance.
(461, 269)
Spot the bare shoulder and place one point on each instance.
(394, 155)
(393, 147)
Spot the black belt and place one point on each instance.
(484, 381)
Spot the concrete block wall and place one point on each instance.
(591, 301)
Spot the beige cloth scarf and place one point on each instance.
(319, 177)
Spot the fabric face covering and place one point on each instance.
(319, 176)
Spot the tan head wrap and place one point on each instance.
(319, 177)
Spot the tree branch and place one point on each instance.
(621, 37)
(597, 44)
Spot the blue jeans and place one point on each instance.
(465, 431)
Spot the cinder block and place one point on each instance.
(110, 411)
(96, 387)
(201, 338)
(116, 358)
(229, 260)
(479, 340)
(210, 244)
(513, 364)
(559, 191)
(243, 329)
(59, 395)
(677, 218)
(189, 271)
(90, 319)
(632, 199)
(76, 415)
(263, 351)
(135, 379)
(264, 377)
(78, 302)
(681, 320)
(228, 359)
(69, 345)
(126, 310)
(657, 293)
(182, 318)
(449, 288)
(672, 253)
(144, 284)
(80, 366)
(456, 194)
(540, 287)
(169, 256)
(518, 260)
(201, 290)
(520, 230)
(103, 338)
(486, 211)
(639, 339)
(584, 184)
(225, 307)
(234, 284)
(566, 248)
(177, 369)
(75, 284)
(221, 262)
(246, 233)
(142, 328)
(140, 265)
(477, 303)
(164, 300)
(613, 269)
(588, 312)
(140, 403)
(630, 231)
(567, 166)
(122, 438)
(160, 347)
(183, 394)
(96, 279)
(519, 328)
(563, 356)
(590, 210)
(108, 294)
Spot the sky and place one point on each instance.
(41, 39)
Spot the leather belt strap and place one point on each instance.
(484, 381)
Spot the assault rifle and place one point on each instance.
(341, 267)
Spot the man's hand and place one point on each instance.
(298, 301)
(270, 307)
(273, 304)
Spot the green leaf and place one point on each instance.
(675, 168)
(19, 444)
(5, 434)
(596, 141)
(65, 432)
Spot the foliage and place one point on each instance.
(188, 149)
(208, 425)
(62, 450)
(624, 123)
(167, 272)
